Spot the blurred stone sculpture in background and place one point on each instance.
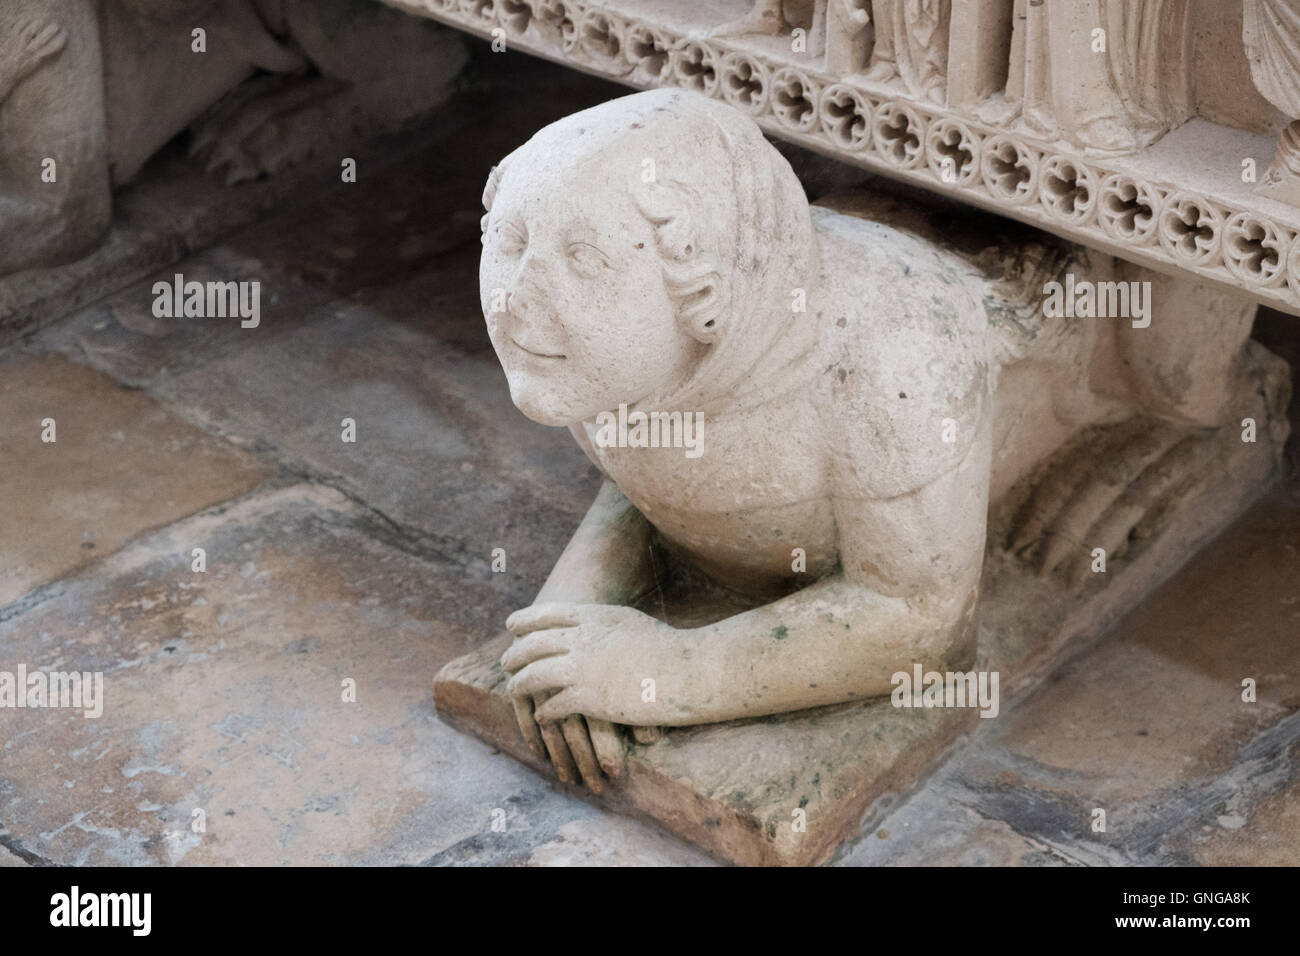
(89, 91)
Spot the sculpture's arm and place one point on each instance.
(905, 594)
(607, 562)
(608, 559)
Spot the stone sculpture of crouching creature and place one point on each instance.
(864, 397)
(91, 89)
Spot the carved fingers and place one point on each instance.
(42, 39)
(567, 744)
(547, 674)
(532, 734)
(608, 746)
(555, 662)
(592, 620)
(557, 749)
(537, 660)
(541, 616)
(1136, 507)
(36, 41)
(262, 130)
(574, 729)
(580, 649)
(567, 747)
(535, 646)
(546, 741)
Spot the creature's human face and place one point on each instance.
(573, 293)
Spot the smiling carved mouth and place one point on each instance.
(545, 355)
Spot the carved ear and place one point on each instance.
(490, 192)
(701, 306)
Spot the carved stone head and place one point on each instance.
(639, 252)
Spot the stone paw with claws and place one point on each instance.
(1105, 490)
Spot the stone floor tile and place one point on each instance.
(1148, 725)
(606, 840)
(223, 692)
(121, 463)
(439, 447)
(932, 829)
(9, 859)
(1267, 834)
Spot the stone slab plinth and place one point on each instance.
(734, 788)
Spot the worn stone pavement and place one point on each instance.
(370, 561)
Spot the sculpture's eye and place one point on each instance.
(586, 259)
(513, 240)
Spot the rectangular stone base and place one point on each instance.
(733, 788)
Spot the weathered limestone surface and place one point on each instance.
(924, 420)
(732, 788)
(321, 580)
(438, 413)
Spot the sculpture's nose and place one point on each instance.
(533, 323)
(526, 298)
(521, 302)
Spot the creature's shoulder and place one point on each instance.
(907, 383)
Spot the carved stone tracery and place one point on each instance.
(886, 125)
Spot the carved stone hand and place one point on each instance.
(596, 659)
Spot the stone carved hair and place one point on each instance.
(692, 274)
(730, 255)
(675, 211)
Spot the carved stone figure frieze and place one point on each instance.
(1271, 32)
(912, 44)
(1104, 75)
(782, 17)
(848, 36)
